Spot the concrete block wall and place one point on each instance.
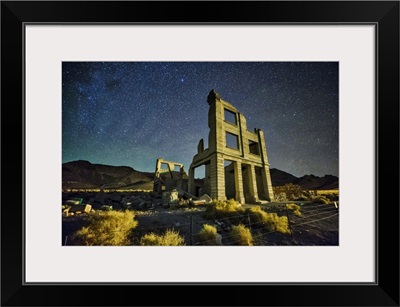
(218, 151)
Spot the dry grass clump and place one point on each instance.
(270, 221)
(321, 200)
(277, 223)
(208, 235)
(288, 191)
(257, 215)
(223, 208)
(107, 228)
(241, 235)
(295, 208)
(169, 238)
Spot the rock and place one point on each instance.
(137, 200)
(80, 208)
(174, 196)
(226, 227)
(218, 223)
(100, 197)
(206, 198)
(66, 211)
(198, 202)
(114, 197)
(170, 197)
(183, 202)
(106, 208)
(72, 202)
(127, 205)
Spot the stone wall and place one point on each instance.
(254, 185)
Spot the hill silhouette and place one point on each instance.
(82, 174)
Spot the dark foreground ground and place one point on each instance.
(317, 226)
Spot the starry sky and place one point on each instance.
(131, 113)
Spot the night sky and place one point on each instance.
(131, 113)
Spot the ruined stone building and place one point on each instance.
(236, 163)
(169, 175)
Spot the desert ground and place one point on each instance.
(317, 225)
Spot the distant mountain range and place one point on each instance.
(307, 182)
(85, 175)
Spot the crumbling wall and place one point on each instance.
(166, 177)
(230, 140)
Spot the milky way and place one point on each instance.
(131, 113)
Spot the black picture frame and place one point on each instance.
(383, 14)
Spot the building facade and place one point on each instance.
(235, 162)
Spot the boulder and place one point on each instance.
(206, 198)
(106, 208)
(114, 198)
(136, 200)
(170, 197)
(100, 197)
(198, 202)
(80, 209)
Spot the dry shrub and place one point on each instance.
(278, 223)
(242, 235)
(290, 190)
(169, 238)
(321, 200)
(271, 221)
(208, 234)
(257, 215)
(295, 208)
(223, 208)
(107, 228)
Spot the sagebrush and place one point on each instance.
(107, 228)
(223, 208)
(208, 235)
(169, 238)
(241, 235)
(295, 208)
(288, 191)
(269, 221)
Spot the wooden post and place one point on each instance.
(316, 207)
(191, 230)
(290, 226)
(248, 217)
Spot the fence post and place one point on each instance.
(66, 239)
(290, 226)
(316, 207)
(191, 230)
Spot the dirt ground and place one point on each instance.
(318, 225)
